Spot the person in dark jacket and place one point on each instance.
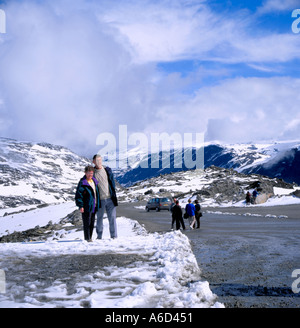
(177, 216)
(248, 198)
(87, 198)
(108, 197)
(198, 213)
(254, 196)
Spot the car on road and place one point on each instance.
(159, 204)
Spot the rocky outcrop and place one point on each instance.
(215, 183)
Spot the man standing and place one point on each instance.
(198, 213)
(108, 197)
(177, 216)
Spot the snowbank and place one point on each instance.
(168, 276)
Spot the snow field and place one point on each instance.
(30, 219)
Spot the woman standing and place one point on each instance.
(88, 200)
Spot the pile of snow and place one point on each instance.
(168, 276)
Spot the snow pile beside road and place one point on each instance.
(161, 271)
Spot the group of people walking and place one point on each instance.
(95, 194)
(192, 213)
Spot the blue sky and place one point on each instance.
(70, 70)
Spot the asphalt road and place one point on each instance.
(248, 260)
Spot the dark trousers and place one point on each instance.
(88, 219)
(198, 220)
(178, 220)
(182, 223)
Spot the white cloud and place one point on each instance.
(241, 109)
(65, 77)
(72, 70)
(164, 30)
(171, 30)
(270, 6)
(266, 108)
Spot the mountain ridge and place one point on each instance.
(37, 174)
(276, 159)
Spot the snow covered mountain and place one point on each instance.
(276, 159)
(33, 174)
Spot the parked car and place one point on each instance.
(159, 204)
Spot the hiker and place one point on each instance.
(248, 198)
(88, 200)
(108, 197)
(177, 216)
(254, 195)
(198, 213)
(190, 210)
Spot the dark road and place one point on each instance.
(247, 259)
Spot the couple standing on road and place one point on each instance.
(96, 193)
(193, 213)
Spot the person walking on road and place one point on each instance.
(87, 198)
(248, 198)
(177, 216)
(254, 196)
(190, 210)
(108, 197)
(198, 213)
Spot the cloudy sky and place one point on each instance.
(71, 70)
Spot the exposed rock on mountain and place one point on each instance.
(214, 185)
(37, 173)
